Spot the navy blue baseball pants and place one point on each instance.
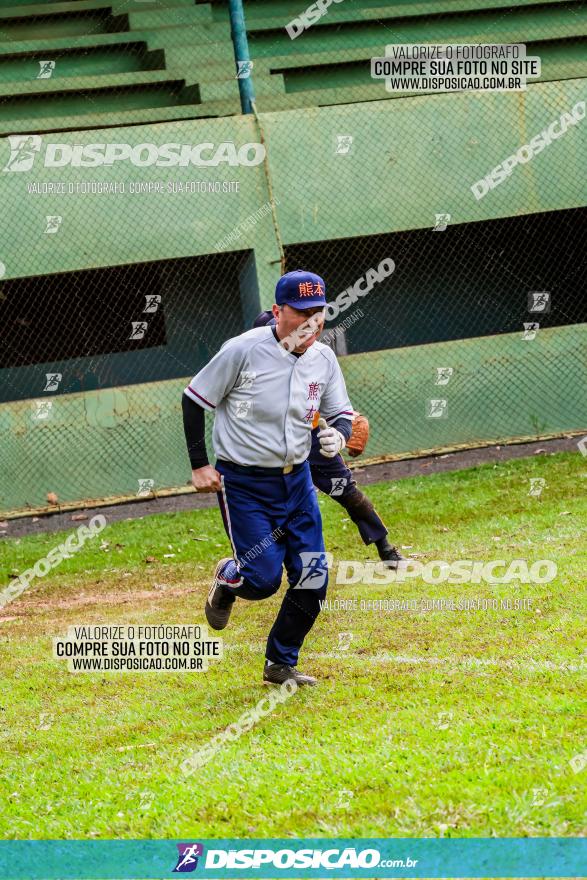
(272, 522)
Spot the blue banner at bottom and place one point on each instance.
(292, 857)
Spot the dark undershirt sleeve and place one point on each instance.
(344, 426)
(194, 429)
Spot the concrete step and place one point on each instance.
(101, 120)
(221, 90)
(373, 39)
(211, 35)
(165, 18)
(97, 61)
(84, 84)
(117, 7)
(276, 15)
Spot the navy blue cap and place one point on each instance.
(301, 290)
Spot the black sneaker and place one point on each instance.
(220, 601)
(277, 674)
(391, 557)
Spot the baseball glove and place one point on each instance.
(360, 434)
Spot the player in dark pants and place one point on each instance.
(334, 478)
(265, 388)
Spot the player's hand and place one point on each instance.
(206, 479)
(331, 440)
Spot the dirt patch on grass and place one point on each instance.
(87, 597)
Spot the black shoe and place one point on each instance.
(220, 601)
(391, 557)
(277, 674)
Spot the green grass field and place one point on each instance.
(431, 723)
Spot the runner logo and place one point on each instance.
(53, 380)
(244, 69)
(437, 409)
(187, 860)
(53, 222)
(539, 301)
(443, 375)
(152, 302)
(23, 148)
(315, 564)
(139, 328)
(338, 485)
(531, 328)
(46, 69)
(344, 143)
(441, 222)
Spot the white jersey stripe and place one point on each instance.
(197, 398)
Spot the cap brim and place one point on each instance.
(308, 304)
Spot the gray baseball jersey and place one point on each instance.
(264, 399)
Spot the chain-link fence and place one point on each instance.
(483, 290)
(147, 220)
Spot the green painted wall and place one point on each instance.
(105, 429)
(190, 47)
(412, 158)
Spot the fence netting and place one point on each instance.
(146, 220)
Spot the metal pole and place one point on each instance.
(241, 54)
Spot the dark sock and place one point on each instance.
(383, 544)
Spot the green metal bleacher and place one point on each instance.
(118, 63)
